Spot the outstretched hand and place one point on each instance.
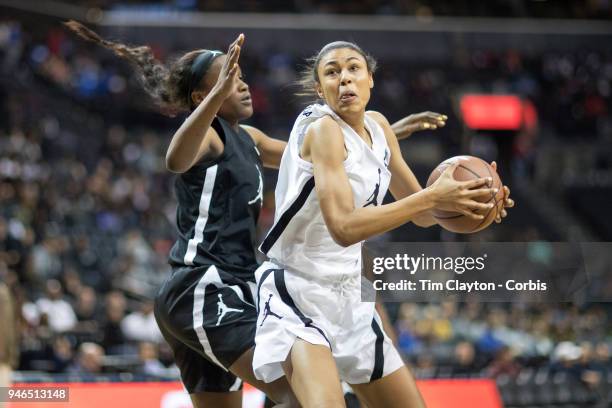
(229, 70)
(405, 127)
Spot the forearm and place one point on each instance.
(401, 130)
(366, 222)
(424, 219)
(186, 143)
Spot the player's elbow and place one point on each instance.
(342, 235)
(174, 165)
(342, 240)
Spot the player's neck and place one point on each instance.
(357, 122)
(235, 125)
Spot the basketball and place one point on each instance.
(469, 168)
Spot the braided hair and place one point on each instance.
(169, 86)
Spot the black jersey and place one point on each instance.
(218, 205)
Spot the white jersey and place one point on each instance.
(299, 239)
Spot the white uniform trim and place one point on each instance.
(236, 385)
(210, 277)
(198, 312)
(205, 198)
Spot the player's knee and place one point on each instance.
(292, 404)
(323, 401)
(283, 398)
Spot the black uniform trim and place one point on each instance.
(281, 287)
(284, 219)
(379, 356)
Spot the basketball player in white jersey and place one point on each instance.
(338, 165)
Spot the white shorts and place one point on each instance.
(291, 306)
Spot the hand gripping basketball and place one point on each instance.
(469, 194)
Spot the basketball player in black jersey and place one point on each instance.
(205, 310)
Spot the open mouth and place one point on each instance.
(348, 96)
(246, 100)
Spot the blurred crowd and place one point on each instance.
(539, 355)
(494, 8)
(86, 221)
(87, 209)
(492, 340)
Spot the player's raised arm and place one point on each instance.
(195, 138)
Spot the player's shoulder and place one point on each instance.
(378, 118)
(257, 136)
(324, 124)
(324, 136)
(255, 133)
(250, 129)
(326, 128)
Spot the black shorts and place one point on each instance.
(208, 318)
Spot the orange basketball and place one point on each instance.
(469, 168)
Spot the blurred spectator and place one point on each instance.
(89, 360)
(56, 308)
(566, 359)
(601, 359)
(139, 276)
(503, 364)
(86, 307)
(465, 360)
(62, 354)
(88, 314)
(150, 364)
(46, 258)
(141, 325)
(112, 336)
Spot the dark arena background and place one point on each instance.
(87, 209)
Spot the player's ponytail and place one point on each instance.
(167, 86)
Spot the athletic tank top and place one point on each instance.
(218, 205)
(299, 239)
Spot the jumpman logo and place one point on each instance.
(222, 309)
(268, 312)
(386, 158)
(373, 199)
